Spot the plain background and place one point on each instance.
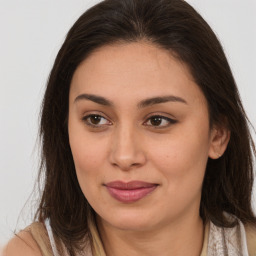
(31, 33)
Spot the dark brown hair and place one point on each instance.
(169, 24)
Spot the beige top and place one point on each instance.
(213, 247)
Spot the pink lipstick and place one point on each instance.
(131, 191)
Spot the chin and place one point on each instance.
(130, 220)
(132, 225)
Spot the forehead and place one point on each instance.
(138, 69)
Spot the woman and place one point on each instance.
(145, 144)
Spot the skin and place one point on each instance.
(126, 144)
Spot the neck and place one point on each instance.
(180, 238)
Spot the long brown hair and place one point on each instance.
(173, 25)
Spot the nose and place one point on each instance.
(127, 149)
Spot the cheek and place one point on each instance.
(86, 148)
(182, 157)
(88, 155)
(88, 160)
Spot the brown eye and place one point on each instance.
(159, 121)
(156, 121)
(96, 120)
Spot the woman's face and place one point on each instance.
(139, 134)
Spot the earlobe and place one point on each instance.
(220, 137)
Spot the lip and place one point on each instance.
(128, 192)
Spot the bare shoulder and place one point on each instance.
(22, 244)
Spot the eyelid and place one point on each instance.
(162, 114)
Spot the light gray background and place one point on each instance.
(31, 33)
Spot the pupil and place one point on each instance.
(156, 121)
(95, 119)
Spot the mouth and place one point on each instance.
(131, 191)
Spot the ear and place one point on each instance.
(219, 139)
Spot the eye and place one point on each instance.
(96, 120)
(159, 121)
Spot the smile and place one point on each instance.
(131, 191)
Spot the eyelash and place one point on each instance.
(85, 119)
(159, 117)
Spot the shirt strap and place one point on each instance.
(50, 234)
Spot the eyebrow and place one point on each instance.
(95, 98)
(158, 100)
(142, 104)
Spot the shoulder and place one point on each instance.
(22, 244)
